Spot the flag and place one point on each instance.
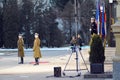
(103, 25)
(103, 31)
(105, 19)
(98, 16)
(103, 28)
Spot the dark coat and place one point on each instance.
(79, 42)
(93, 28)
(20, 44)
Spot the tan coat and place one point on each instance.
(36, 48)
(20, 44)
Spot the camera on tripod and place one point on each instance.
(76, 44)
(73, 48)
(76, 50)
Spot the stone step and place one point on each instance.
(104, 75)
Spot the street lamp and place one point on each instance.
(111, 37)
(110, 1)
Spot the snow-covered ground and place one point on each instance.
(44, 48)
(46, 52)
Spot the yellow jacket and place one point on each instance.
(36, 48)
(20, 44)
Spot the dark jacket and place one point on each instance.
(93, 28)
(79, 42)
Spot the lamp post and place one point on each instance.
(76, 18)
(110, 1)
(110, 36)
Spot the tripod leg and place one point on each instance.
(77, 60)
(68, 61)
(84, 61)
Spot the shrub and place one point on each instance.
(96, 50)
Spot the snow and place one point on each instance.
(44, 48)
(1, 54)
(60, 23)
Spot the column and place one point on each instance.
(116, 31)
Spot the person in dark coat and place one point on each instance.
(20, 44)
(79, 41)
(36, 49)
(93, 26)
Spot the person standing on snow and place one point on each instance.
(20, 44)
(73, 43)
(36, 49)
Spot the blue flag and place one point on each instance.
(103, 22)
(98, 16)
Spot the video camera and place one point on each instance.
(74, 48)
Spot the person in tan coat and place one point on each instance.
(73, 43)
(36, 49)
(20, 44)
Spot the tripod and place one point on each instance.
(77, 62)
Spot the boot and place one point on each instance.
(36, 61)
(22, 61)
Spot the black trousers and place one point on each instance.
(36, 60)
(22, 60)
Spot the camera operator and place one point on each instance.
(73, 43)
(79, 41)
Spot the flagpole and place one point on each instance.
(98, 16)
(76, 20)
